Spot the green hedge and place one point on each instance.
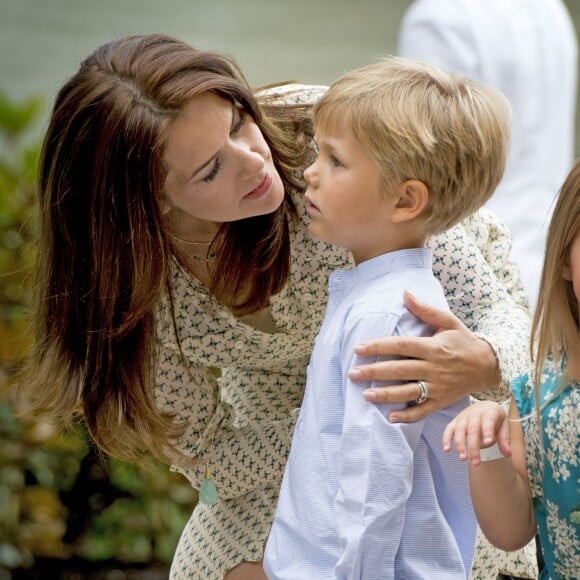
(60, 500)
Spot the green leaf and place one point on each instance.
(17, 117)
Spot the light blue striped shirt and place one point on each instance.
(361, 497)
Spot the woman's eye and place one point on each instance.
(336, 162)
(241, 121)
(211, 175)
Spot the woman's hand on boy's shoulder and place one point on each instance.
(451, 364)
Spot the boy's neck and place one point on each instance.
(402, 242)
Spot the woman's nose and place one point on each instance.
(252, 155)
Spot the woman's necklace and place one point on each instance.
(203, 259)
(190, 242)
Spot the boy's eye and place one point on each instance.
(335, 161)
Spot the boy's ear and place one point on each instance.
(413, 197)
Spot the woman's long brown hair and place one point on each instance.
(103, 252)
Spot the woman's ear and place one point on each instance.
(165, 206)
(413, 197)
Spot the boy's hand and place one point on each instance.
(479, 426)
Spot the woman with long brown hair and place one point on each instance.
(173, 241)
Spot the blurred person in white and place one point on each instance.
(529, 50)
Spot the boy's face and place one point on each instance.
(346, 199)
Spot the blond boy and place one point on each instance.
(405, 151)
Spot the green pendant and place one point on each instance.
(208, 494)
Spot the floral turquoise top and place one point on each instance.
(554, 471)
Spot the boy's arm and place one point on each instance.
(375, 470)
(500, 488)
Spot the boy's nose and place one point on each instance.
(310, 175)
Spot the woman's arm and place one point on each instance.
(240, 459)
(500, 488)
(480, 348)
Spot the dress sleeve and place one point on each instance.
(290, 94)
(483, 290)
(240, 459)
(376, 462)
(494, 240)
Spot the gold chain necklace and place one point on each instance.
(203, 260)
(190, 242)
(207, 258)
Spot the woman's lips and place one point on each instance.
(262, 189)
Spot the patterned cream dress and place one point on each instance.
(241, 424)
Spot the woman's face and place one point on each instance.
(219, 167)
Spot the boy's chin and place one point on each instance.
(314, 234)
(327, 240)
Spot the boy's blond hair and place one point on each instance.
(420, 122)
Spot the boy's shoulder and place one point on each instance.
(384, 295)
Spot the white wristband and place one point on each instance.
(490, 453)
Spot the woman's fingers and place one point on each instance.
(452, 363)
(437, 319)
(401, 346)
(397, 370)
(424, 358)
(439, 396)
(393, 394)
(456, 358)
(413, 413)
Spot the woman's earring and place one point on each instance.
(208, 494)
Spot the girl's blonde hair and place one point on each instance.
(555, 328)
(420, 122)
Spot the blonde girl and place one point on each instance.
(525, 479)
